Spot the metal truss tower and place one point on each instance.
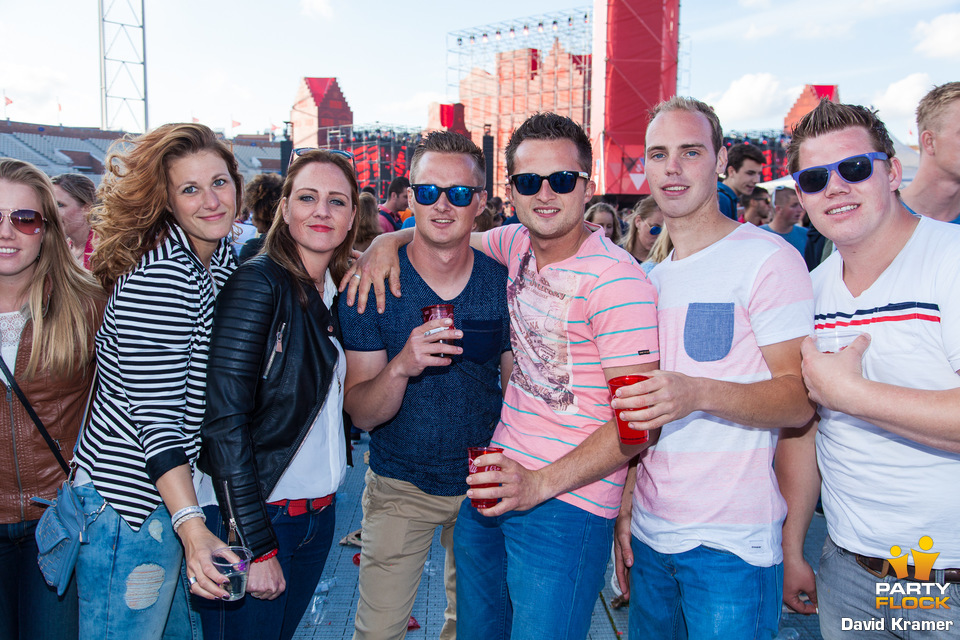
(506, 71)
(123, 66)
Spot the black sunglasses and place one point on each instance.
(457, 195)
(853, 169)
(528, 184)
(26, 221)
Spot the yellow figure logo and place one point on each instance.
(922, 561)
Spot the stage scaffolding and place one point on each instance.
(506, 71)
(381, 151)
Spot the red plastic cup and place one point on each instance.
(472, 454)
(437, 311)
(627, 435)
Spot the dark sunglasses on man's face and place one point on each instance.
(851, 170)
(457, 195)
(26, 221)
(528, 184)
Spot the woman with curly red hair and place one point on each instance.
(169, 200)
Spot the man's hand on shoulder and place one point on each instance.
(377, 264)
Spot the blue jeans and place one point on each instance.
(529, 574)
(304, 542)
(28, 607)
(131, 583)
(702, 593)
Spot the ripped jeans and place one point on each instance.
(130, 583)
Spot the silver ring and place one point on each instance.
(192, 580)
(356, 275)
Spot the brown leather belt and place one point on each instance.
(302, 506)
(881, 568)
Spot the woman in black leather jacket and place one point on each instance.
(273, 437)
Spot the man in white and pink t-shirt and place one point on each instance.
(734, 304)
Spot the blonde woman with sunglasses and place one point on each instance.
(49, 311)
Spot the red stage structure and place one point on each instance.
(635, 53)
(319, 105)
(807, 101)
(603, 66)
(504, 72)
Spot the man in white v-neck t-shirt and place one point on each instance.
(888, 440)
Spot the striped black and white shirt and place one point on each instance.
(152, 354)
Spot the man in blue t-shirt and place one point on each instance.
(787, 212)
(743, 172)
(426, 401)
(396, 202)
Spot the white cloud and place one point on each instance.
(901, 97)
(785, 18)
(897, 104)
(754, 101)
(759, 32)
(317, 8)
(817, 30)
(939, 38)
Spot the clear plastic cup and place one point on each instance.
(836, 340)
(237, 571)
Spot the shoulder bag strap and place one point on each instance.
(33, 416)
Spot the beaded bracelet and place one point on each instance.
(266, 556)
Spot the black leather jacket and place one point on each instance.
(261, 400)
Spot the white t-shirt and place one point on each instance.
(880, 489)
(710, 481)
(11, 326)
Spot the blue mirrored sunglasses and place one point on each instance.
(457, 195)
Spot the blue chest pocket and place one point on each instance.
(481, 339)
(708, 330)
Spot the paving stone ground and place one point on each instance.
(331, 616)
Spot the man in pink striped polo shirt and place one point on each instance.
(734, 304)
(581, 313)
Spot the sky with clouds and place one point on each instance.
(241, 60)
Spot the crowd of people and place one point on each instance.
(207, 390)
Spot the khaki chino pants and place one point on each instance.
(399, 521)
